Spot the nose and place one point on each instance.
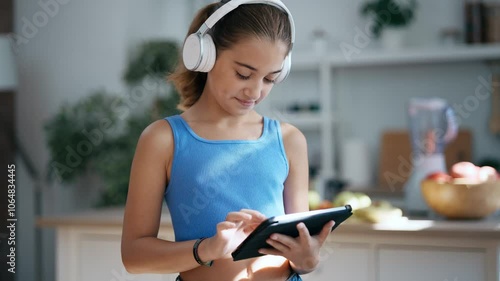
(254, 90)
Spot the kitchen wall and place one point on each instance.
(67, 48)
(374, 99)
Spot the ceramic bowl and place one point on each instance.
(462, 200)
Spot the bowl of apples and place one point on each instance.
(467, 192)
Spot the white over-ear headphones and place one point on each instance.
(199, 51)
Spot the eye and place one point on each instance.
(269, 81)
(242, 77)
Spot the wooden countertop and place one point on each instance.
(485, 229)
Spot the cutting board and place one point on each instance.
(395, 163)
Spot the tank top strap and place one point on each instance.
(177, 126)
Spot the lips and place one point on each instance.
(246, 103)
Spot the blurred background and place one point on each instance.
(79, 80)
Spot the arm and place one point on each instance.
(303, 251)
(141, 250)
(297, 182)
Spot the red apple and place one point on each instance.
(487, 173)
(439, 177)
(464, 170)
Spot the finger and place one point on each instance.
(255, 214)
(238, 216)
(270, 251)
(226, 225)
(304, 235)
(327, 228)
(287, 241)
(250, 227)
(277, 244)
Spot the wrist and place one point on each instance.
(306, 267)
(202, 253)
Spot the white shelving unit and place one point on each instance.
(325, 65)
(373, 57)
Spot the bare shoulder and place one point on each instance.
(157, 133)
(293, 138)
(156, 145)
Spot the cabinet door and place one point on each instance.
(442, 264)
(342, 261)
(100, 259)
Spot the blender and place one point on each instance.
(432, 125)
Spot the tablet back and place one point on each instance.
(287, 224)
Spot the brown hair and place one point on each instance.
(258, 20)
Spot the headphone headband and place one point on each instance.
(233, 4)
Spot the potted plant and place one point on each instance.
(98, 138)
(390, 18)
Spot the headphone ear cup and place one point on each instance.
(287, 64)
(209, 54)
(191, 52)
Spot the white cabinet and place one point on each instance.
(348, 261)
(93, 253)
(402, 256)
(415, 264)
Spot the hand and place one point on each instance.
(231, 232)
(303, 251)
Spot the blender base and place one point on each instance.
(422, 167)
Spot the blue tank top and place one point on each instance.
(210, 178)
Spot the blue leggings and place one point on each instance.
(293, 277)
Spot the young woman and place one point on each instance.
(221, 167)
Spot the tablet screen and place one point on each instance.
(287, 224)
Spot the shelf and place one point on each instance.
(303, 120)
(372, 57)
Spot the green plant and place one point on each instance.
(389, 13)
(114, 165)
(93, 135)
(155, 58)
(72, 134)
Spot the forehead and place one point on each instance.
(258, 51)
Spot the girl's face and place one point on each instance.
(244, 74)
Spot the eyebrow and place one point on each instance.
(253, 68)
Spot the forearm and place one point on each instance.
(153, 255)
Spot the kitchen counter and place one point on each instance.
(486, 229)
(406, 249)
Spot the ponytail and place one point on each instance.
(190, 84)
